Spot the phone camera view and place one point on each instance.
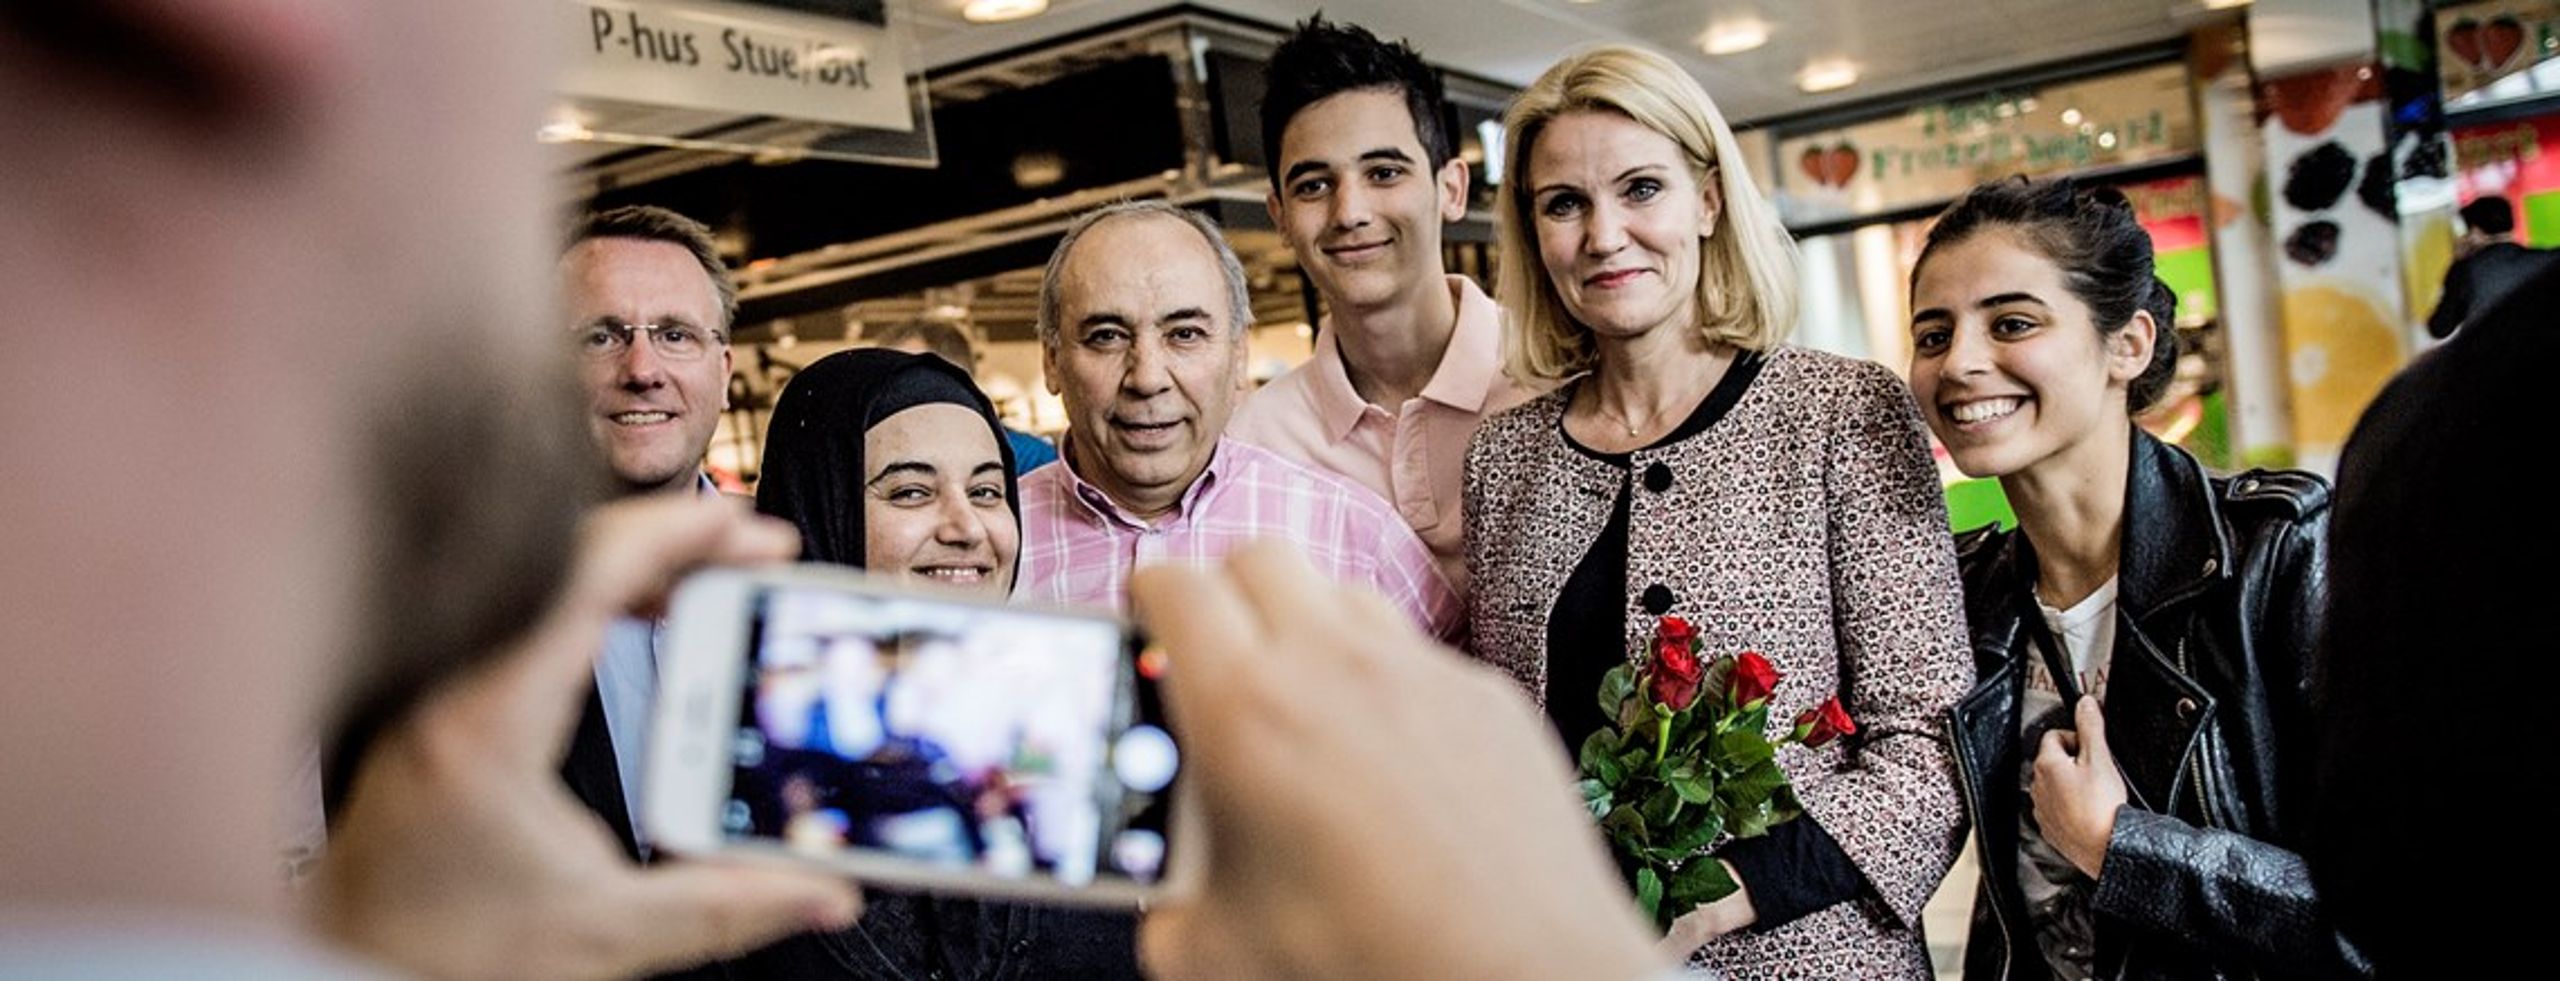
(1017, 744)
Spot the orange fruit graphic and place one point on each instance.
(2341, 349)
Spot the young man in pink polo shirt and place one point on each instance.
(1408, 360)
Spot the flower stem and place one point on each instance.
(1662, 739)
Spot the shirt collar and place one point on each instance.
(1463, 381)
(1473, 361)
(1338, 405)
(1102, 508)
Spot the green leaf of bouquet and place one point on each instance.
(1698, 834)
(1699, 882)
(1784, 806)
(1659, 808)
(1760, 781)
(1615, 686)
(1753, 820)
(1624, 823)
(1595, 748)
(1632, 715)
(1633, 760)
(1755, 719)
(1742, 749)
(1781, 813)
(1649, 892)
(1692, 786)
(1711, 687)
(1596, 796)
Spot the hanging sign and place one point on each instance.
(751, 59)
(1937, 151)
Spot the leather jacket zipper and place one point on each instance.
(2208, 802)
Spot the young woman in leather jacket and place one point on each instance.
(2135, 754)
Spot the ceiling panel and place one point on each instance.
(1900, 45)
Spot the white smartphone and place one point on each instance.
(911, 738)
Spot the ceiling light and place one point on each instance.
(2224, 4)
(1827, 76)
(999, 11)
(1036, 169)
(2071, 117)
(1734, 38)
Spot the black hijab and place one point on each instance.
(813, 470)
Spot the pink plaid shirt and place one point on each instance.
(1078, 548)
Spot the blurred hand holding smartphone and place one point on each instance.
(815, 714)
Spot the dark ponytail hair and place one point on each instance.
(2104, 254)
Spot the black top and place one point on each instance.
(1796, 868)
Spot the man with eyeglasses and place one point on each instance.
(645, 272)
(650, 305)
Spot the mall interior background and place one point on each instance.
(2298, 163)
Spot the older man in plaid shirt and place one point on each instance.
(1143, 313)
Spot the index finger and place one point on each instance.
(2092, 722)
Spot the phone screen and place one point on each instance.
(1014, 743)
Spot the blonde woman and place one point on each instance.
(1692, 464)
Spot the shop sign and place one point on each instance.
(2480, 43)
(742, 58)
(1935, 152)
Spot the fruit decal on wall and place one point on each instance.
(1832, 166)
(2482, 41)
(2340, 280)
(2487, 48)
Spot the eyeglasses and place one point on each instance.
(607, 340)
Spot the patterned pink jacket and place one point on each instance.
(1806, 524)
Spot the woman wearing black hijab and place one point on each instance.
(896, 463)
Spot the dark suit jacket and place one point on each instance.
(2478, 280)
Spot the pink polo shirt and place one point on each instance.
(1078, 548)
(1415, 454)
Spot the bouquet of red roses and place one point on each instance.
(1686, 760)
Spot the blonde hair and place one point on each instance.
(1746, 272)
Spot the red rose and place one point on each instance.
(1752, 681)
(1674, 632)
(1822, 725)
(1676, 672)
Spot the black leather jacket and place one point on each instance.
(2219, 597)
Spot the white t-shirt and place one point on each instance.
(2057, 893)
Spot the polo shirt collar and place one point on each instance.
(1474, 358)
(1463, 380)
